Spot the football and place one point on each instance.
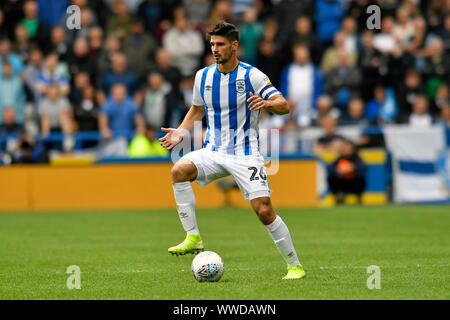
(207, 266)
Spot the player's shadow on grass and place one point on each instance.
(212, 282)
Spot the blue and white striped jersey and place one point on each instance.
(232, 127)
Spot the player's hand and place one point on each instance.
(106, 133)
(171, 139)
(256, 103)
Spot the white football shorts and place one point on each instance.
(248, 171)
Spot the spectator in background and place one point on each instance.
(197, 10)
(355, 114)
(56, 116)
(434, 14)
(350, 29)
(12, 58)
(154, 12)
(133, 5)
(369, 62)
(81, 81)
(330, 59)
(30, 151)
(80, 61)
(86, 110)
(159, 102)
(346, 175)
(264, 60)
(184, 44)
(31, 73)
(329, 14)
(10, 126)
(186, 89)
(420, 117)
(22, 44)
(343, 82)
(50, 75)
(271, 30)
(394, 58)
(408, 91)
(324, 109)
(251, 31)
(222, 11)
(240, 7)
(442, 97)
(303, 33)
(12, 93)
(119, 25)
(120, 115)
(436, 68)
(383, 107)
(55, 112)
(330, 140)
(444, 117)
(286, 13)
(140, 49)
(119, 74)
(169, 72)
(112, 46)
(36, 29)
(147, 146)
(301, 83)
(12, 15)
(95, 39)
(358, 10)
(58, 43)
(385, 41)
(403, 28)
(12, 132)
(416, 44)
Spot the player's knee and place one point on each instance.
(265, 213)
(181, 173)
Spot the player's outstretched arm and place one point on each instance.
(174, 136)
(275, 104)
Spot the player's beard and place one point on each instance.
(225, 58)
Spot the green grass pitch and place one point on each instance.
(123, 254)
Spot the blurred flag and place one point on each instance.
(420, 171)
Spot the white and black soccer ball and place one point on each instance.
(207, 266)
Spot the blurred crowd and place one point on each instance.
(130, 65)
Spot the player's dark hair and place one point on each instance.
(225, 29)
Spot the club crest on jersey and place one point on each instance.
(240, 86)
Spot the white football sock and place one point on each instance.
(282, 238)
(184, 196)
